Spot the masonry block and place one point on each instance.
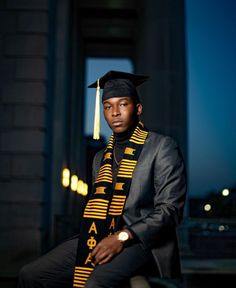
(32, 22)
(28, 166)
(6, 116)
(29, 116)
(24, 92)
(7, 22)
(22, 141)
(7, 70)
(21, 190)
(31, 69)
(26, 45)
(5, 167)
(24, 215)
(27, 4)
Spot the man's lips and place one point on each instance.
(116, 123)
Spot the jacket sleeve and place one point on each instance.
(169, 196)
(96, 164)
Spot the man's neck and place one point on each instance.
(121, 138)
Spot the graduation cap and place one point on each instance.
(115, 84)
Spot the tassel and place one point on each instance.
(96, 128)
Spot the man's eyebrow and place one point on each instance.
(106, 102)
(122, 99)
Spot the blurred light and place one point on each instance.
(65, 177)
(85, 189)
(221, 228)
(225, 192)
(207, 207)
(74, 183)
(82, 188)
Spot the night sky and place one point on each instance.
(211, 65)
(211, 94)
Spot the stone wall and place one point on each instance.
(23, 93)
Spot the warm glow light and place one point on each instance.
(85, 189)
(65, 177)
(225, 192)
(74, 183)
(66, 173)
(207, 207)
(82, 188)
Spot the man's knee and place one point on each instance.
(26, 276)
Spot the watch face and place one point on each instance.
(123, 236)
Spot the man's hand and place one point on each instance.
(107, 248)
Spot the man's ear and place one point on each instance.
(139, 108)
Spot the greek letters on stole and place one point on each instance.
(105, 206)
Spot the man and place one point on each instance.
(129, 222)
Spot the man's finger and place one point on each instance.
(100, 256)
(105, 260)
(96, 250)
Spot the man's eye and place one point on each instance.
(123, 104)
(107, 107)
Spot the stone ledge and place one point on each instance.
(31, 69)
(32, 22)
(26, 45)
(21, 190)
(24, 92)
(22, 141)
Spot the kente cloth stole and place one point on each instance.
(106, 203)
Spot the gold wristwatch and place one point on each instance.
(123, 236)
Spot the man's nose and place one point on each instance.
(115, 111)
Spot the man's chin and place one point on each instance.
(118, 129)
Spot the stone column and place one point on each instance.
(161, 54)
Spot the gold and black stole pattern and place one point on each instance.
(105, 206)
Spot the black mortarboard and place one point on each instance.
(115, 84)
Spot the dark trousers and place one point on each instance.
(55, 269)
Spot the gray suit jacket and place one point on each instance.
(156, 199)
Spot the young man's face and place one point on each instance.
(121, 113)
